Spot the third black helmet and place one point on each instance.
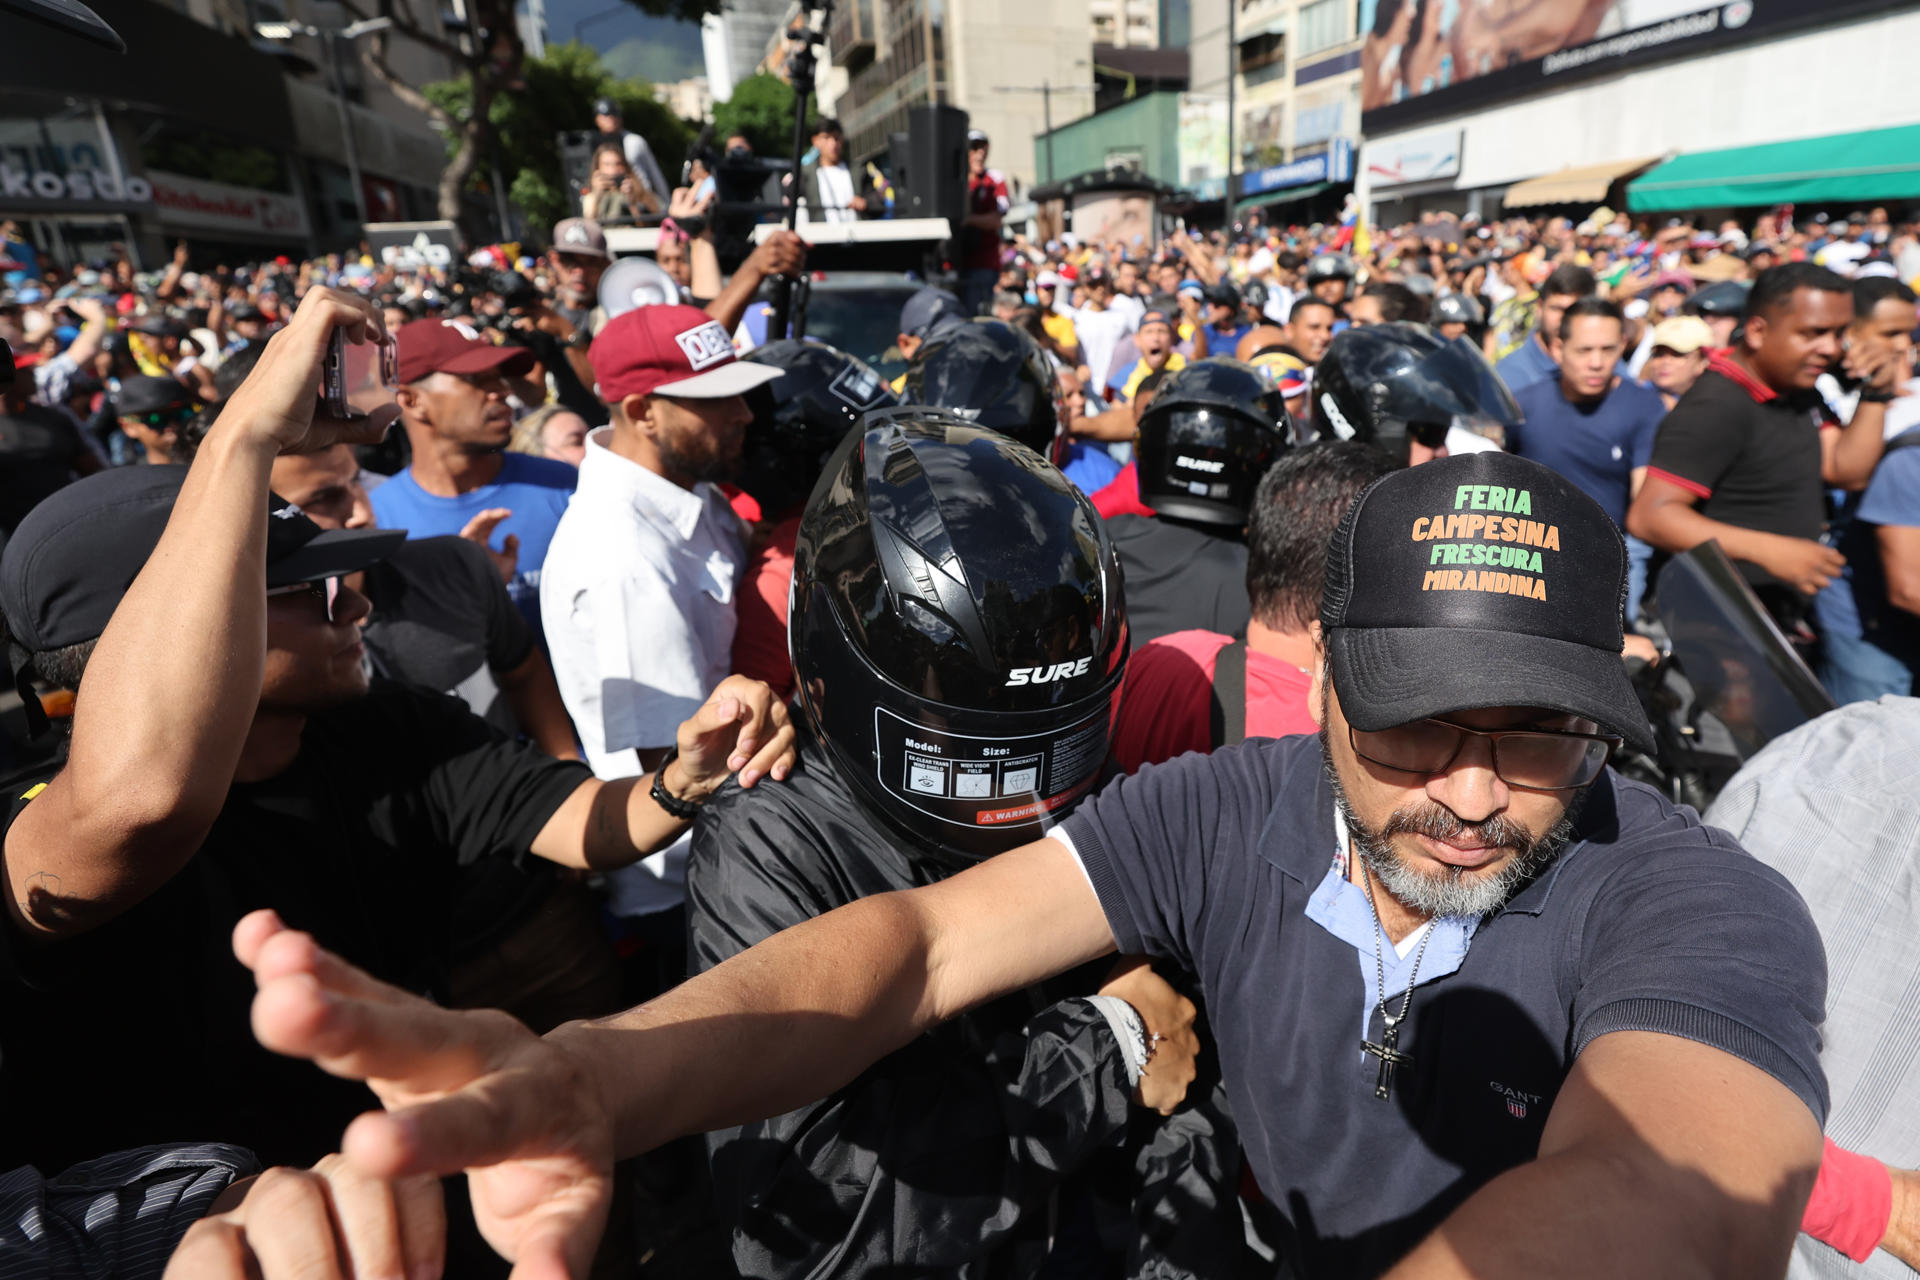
(1209, 434)
(1387, 384)
(799, 419)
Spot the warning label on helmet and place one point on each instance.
(981, 781)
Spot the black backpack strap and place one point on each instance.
(1228, 718)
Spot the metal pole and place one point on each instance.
(1233, 59)
(1046, 113)
(328, 40)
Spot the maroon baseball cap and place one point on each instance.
(428, 347)
(675, 351)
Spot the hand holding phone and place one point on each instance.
(358, 376)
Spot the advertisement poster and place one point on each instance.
(1423, 58)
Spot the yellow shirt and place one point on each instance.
(1060, 329)
(1140, 371)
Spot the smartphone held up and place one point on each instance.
(358, 377)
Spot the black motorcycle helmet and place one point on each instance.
(1329, 266)
(958, 630)
(1388, 384)
(1210, 433)
(1723, 298)
(990, 373)
(799, 418)
(1458, 308)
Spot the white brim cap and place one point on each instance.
(736, 378)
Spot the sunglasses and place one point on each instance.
(161, 418)
(325, 590)
(1529, 759)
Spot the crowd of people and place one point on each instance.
(1130, 796)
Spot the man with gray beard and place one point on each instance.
(1546, 1023)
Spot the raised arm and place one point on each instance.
(172, 684)
(777, 1026)
(1662, 1156)
(784, 253)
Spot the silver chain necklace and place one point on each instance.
(1389, 1056)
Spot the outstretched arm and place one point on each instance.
(777, 1026)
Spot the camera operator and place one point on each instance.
(633, 150)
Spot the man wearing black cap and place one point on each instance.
(1484, 1007)
(40, 448)
(226, 753)
(154, 412)
(1225, 325)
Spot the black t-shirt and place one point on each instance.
(442, 618)
(1754, 463)
(1180, 578)
(38, 448)
(137, 1032)
(1648, 921)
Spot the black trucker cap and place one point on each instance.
(1482, 580)
(72, 559)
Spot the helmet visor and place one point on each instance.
(1451, 385)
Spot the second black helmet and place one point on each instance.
(1207, 437)
(1391, 384)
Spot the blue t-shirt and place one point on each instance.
(1647, 921)
(1855, 604)
(1596, 445)
(1089, 466)
(536, 490)
(1221, 342)
(1526, 364)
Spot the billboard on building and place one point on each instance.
(1202, 138)
(1425, 58)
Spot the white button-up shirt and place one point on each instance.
(637, 599)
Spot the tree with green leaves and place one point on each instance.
(762, 108)
(494, 71)
(557, 95)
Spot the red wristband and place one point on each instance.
(1851, 1204)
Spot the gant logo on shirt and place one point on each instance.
(1517, 1101)
(705, 344)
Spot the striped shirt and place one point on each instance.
(1834, 806)
(114, 1218)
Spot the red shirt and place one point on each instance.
(1120, 496)
(1166, 701)
(760, 611)
(986, 193)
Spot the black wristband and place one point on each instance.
(1870, 396)
(685, 810)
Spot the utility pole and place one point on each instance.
(1233, 64)
(329, 42)
(1046, 92)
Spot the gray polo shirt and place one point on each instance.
(1648, 921)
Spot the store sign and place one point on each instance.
(1335, 164)
(1202, 138)
(197, 205)
(412, 246)
(1424, 157)
(84, 186)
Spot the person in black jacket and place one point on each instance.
(949, 724)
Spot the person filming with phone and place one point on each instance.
(228, 752)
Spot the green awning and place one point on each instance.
(1282, 196)
(1841, 168)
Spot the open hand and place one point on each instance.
(472, 1090)
(506, 561)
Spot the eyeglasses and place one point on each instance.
(325, 590)
(1530, 759)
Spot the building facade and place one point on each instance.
(205, 135)
(1653, 81)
